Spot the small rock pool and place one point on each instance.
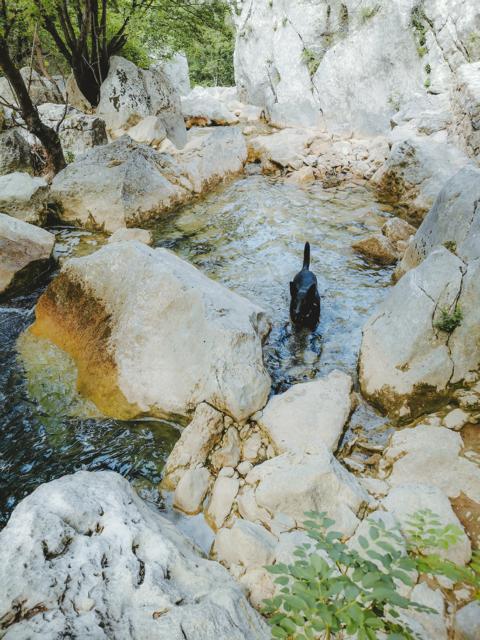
(249, 235)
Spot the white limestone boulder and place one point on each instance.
(150, 130)
(125, 183)
(309, 414)
(453, 221)
(284, 149)
(407, 499)
(84, 554)
(25, 253)
(407, 361)
(246, 543)
(41, 89)
(127, 235)
(411, 458)
(151, 335)
(129, 94)
(415, 172)
(294, 483)
(467, 621)
(24, 196)
(201, 108)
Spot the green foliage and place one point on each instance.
(312, 60)
(419, 24)
(69, 156)
(451, 245)
(368, 13)
(449, 320)
(331, 588)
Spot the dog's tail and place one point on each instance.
(306, 256)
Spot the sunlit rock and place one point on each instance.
(151, 335)
(309, 414)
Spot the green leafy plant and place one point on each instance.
(451, 245)
(312, 60)
(419, 24)
(334, 588)
(69, 157)
(449, 320)
(368, 13)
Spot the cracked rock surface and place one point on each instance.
(88, 559)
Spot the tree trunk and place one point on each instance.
(47, 136)
(89, 78)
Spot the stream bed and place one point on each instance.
(249, 234)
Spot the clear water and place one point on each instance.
(249, 235)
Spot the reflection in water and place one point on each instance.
(250, 236)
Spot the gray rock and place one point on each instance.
(85, 554)
(467, 622)
(174, 337)
(129, 94)
(246, 543)
(25, 253)
(23, 196)
(15, 153)
(407, 361)
(309, 414)
(453, 221)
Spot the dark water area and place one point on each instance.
(249, 235)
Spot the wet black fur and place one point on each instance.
(305, 299)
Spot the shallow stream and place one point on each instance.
(249, 234)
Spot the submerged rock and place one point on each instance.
(86, 555)
(151, 335)
(309, 414)
(25, 253)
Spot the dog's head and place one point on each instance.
(303, 300)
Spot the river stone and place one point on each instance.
(396, 229)
(191, 490)
(224, 493)
(406, 500)
(149, 130)
(297, 482)
(456, 419)
(415, 172)
(426, 625)
(377, 248)
(309, 414)
(453, 221)
(406, 361)
(25, 253)
(125, 183)
(467, 622)
(284, 149)
(246, 543)
(85, 554)
(23, 196)
(194, 445)
(229, 454)
(413, 459)
(15, 153)
(151, 335)
(127, 235)
(201, 108)
(129, 94)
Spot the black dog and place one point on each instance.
(305, 302)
